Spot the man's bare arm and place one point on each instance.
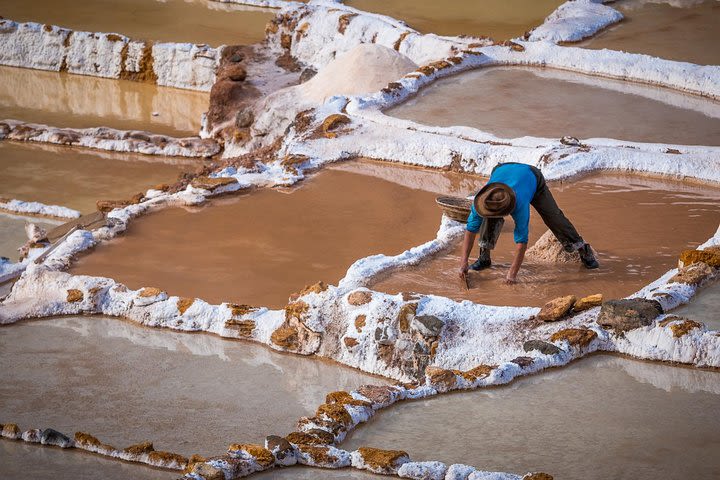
(465, 254)
(517, 261)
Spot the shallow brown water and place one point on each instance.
(637, 224)
(704, 307)
(687, 31)
(12, 232)
(22, 461)
(499, 19)
(77, 178)
(194, 21)
(263, 246)
(188, 393)
(78, 101)
(600, 418)
(515, 102)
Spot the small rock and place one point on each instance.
(74, 295)
(285, 337)
(350, 342)
(149, 292)
(384, 462)
(32, 436)
(155, 114)
(522, 362)
(710, 256)
(360, 322)
(588, 302)
(423, 470)
(693, 274)
(257, 453)
(537, 476)
(140, 448)
(53, 437)
(545, 348)
(359, 297)
(212, 183)
(307, 74)
(577, 337)
(237, 57)
(281, 449)
(379, 395)
(459, 471)
(440, 379)
(427, 325)
(11, 431)
(207, 471)
(680, 326)
(323, 456)
(627, 314)
(557, 308)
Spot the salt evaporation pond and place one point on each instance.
(125, 384)
(599, 418)
(78, 101)
(513, 102)
(77, 178)
(12, 232)
(639, 225)
(682, 30)
(704, 307)
(499, 19)
(261, 247)
(196, 21)
(20, 460)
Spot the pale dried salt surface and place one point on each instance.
(548, 249)
(365, 69)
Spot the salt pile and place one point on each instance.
(365, 69)
(549, 250)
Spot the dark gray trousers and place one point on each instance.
(544, 203)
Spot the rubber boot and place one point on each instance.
(483, 260)
(587, 257)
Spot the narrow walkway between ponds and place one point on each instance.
(261, 247)
(704, 307)
(195, 21)
(512, 102)
(21, 460)
(77, 178)
(78, 101)
(499, 19)
(599, 418)
(638, 225)
(682, 30)
(125, 384)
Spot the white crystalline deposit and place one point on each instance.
(32, 45)
(110, 55)
(258, 3)
(575, 20)
(185, 65)
(37, 208)
(423, 470)
(323, 30)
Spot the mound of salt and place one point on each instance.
(549, 250)
(365, 69)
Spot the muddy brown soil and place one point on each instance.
(263, 246)
(125, 384)
(77, 101)
(77, 178)
(638, 225)
(499, 19)
(196, 21)
(515, 102)
(686, 31)
(601, 417)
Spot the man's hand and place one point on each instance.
(510, 280)
(463, 271)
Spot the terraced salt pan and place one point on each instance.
(515, 102)
(78, 101)
(683, 30)
(601, 417)
(261, 247)
(196, 21)
(21, 460)
(638, 225)
(499, 19)
(704, 307)
(126, 384)
(12, 232)
(78, 178)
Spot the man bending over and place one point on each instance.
(512, 188)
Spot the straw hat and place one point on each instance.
(495, 200)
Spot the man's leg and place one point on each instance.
(551, 214)
(489, 233)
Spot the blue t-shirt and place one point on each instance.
(523, 181)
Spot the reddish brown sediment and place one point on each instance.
(171, 21)
(79, 178)
(552, 103)
(684, 33)
(638, 226)
(500, 19)
(261, 247)
(79, 101)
